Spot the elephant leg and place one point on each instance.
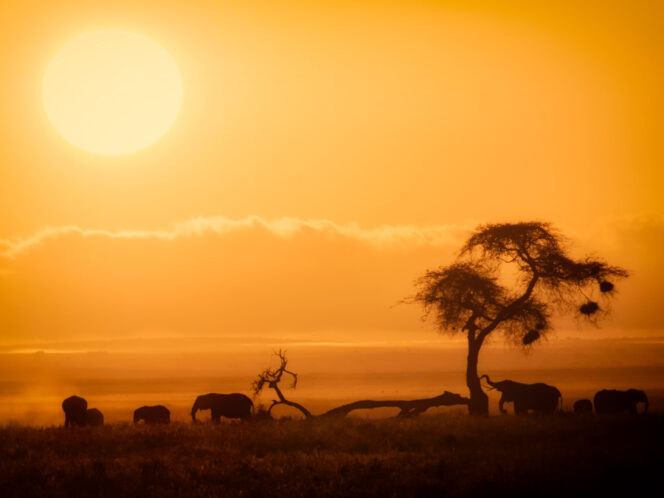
(216, 416)
(501, 404)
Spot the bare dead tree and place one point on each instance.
(272, 377)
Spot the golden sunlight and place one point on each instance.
(112, 92)
(379, 248)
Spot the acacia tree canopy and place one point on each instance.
(468, 294)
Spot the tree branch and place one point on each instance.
(509, 310)
(284, 401)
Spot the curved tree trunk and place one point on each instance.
(283, 401)
(479, 401)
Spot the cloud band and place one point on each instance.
(381, 236)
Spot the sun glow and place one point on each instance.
(112, 92)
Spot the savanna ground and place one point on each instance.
(435, 455)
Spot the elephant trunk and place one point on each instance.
(194, 409)
(647, 404)
(488, 381)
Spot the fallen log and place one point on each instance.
(408, 408)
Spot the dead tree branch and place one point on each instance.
(271, 378)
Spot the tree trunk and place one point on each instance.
(479, 401)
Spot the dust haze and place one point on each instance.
(34, 383)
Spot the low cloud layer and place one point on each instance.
(288, 277)
(383, 235)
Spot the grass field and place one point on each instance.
(438, 455)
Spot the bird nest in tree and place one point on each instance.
(605, 286)
(531, 337)
(589, 308)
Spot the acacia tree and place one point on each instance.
(509, 278)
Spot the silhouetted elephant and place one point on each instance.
(157, 414)
(612, 401)
(583, 406)
(94, 417)
(224, 405)
(75, 411)
(538, 397)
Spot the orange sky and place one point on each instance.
(325, 155)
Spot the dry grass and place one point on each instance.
(442, 455)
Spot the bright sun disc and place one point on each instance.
(112, 92)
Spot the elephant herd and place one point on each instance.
(543, 398)
(233, 405)
(539, 397)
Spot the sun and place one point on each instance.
(112, 92)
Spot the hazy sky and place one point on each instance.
(326, 154)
